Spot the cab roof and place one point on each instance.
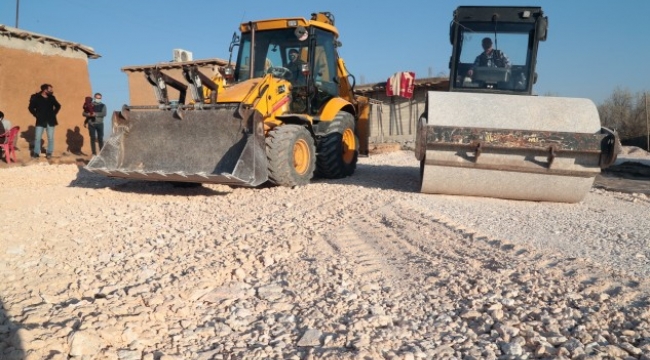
(287, 23)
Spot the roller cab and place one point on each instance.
(489, 136)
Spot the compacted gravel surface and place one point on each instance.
(359, 268)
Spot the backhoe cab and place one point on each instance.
(265, 47)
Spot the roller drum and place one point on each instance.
(547, 148)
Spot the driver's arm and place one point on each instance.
(477, 61)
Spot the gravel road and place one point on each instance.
(358, 268)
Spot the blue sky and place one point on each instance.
(593, 46)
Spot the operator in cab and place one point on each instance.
(295, 65)
(489, 57)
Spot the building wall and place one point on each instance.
(24, 66)
(394, 119)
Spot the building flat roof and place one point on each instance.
(29, 35)
(176, 64)
(437, 83)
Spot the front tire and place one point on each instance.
(338, 149)
(291, 153)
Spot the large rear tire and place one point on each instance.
(338, 149)
(291, 153)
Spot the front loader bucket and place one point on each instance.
(511, 146)
(218, 144)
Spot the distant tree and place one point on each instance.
(625, 113)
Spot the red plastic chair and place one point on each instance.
(7, 141)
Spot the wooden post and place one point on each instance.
(17, 11)
(647, 122)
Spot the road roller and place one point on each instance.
(489, 135)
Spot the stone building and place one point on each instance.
(28, 60)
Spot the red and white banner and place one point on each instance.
(401, 84)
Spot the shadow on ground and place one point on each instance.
(385, 177)
(10, 336)
(90, 180)
(627, 177)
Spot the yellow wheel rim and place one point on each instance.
(349, 145)
(301, 156)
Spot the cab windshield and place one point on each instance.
(271, 50)
(491, 60)
(302, 60)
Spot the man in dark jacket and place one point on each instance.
(295, 65)
(44, 107)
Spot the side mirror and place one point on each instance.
(451, 33)
(535, 78)
(234, 42)
(542, 28)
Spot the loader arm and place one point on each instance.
(197, 81)
(346, 89)
(160, 80)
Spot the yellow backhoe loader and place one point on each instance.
(489, 136)
(270, 119)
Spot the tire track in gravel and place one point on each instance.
(404, 242)
(485, 253)
(453, 241)
(433, 250)
(368, 263)
(309, 199)
(331, 208)
(379, 246)
(319, 197)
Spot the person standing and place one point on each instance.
(95, 122)
(5, 125)
(44, 107)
